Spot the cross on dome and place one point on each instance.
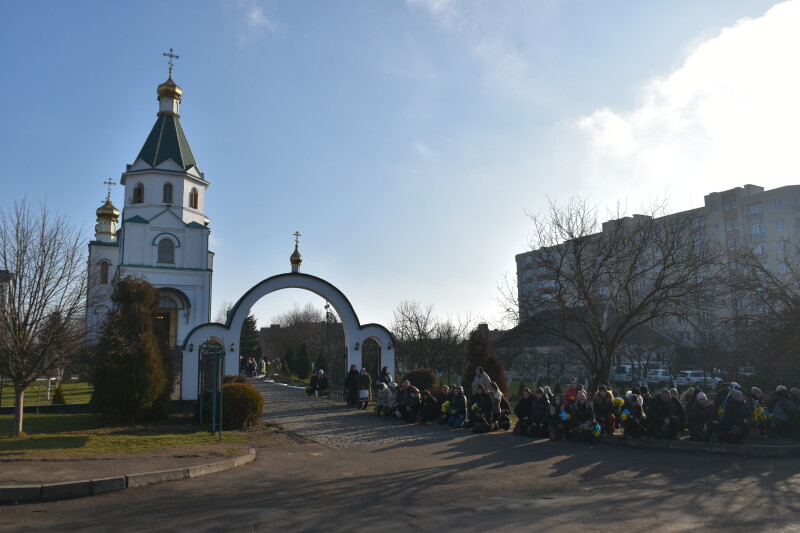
(108, 183)
(171, 56)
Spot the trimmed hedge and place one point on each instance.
(242, 405)
(422, 378)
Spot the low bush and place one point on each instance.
(242, 405)
(58, 397)
(422, 378)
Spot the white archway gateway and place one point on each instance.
(354, 333)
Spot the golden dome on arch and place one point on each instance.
(170, 89)
(296, 258)
(107, 210)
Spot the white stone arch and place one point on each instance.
(354, 331)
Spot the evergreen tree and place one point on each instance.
(289, 362)
(129, 377)
(478, 351)
(249, 339)
(303, 363)
(58, 397)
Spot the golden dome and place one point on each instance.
(169, 89)
(107, 210)
(296, 258)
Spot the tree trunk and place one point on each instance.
(19, 403)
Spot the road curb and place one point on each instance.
(13, 494)
(742, 450)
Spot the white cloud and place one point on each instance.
(425, 151)
(445, 11)
(255, 18)
(729, 116)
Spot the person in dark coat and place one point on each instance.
(523, 412)
(680, 412)
(313, 384)
(634, 419)
(735, 421)
(428, 408)
(700, 417)
(351, 386)
(446, 395)
(582, 416)
(322, 387)
(604, 410)
(457, 412)
(480, 408)
(664, 421)
(364, 385)
(384, 377)
(558, 423)
(540, 415)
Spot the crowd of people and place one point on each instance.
(732, 416)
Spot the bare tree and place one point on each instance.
(41, 323)
(426, 341)
(594, 284)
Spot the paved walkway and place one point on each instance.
(333, 424)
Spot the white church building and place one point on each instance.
(162, 233)
(162, 236)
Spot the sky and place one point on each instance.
(407, 141)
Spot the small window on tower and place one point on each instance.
(167, 193)
(193, 196)
(138, 194)
(104, 272)
(166, 251)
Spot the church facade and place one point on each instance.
(162, 233)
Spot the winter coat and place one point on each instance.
(603, 408)
(660, 410)
(698, 416)
(323, 383)
(351, 380)
(313, 382)
(484, 380)
(364, 381)
(540, 410)
(484, 402)
(571, 396)
(497, 398)
(459, 405)
(554, 416)
(429, 409)
(385, 378)
(735, 414)
(523, 408)
(680, 412)
(581, 413)
(384, 396)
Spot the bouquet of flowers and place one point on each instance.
(565, 416)
(626, 414)
(596, 430)
(619, 400)
(474, 406)
(446, 406)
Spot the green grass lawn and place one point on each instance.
(84, 434)
(75, 392)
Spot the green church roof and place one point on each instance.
(167, 141)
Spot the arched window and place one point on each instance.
(104, 272)
(138, 194)
(193, 197)
(166, 251)
(167, 196)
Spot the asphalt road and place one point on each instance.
(453, 480)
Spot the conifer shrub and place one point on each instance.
(235, 379)
(422, 378)
(302, 364)
(242, 405)
(58, 397)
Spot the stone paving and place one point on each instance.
(333, 424)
